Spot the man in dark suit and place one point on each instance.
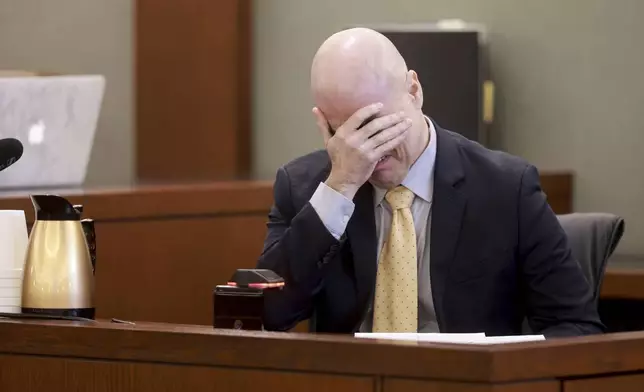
(401, 226)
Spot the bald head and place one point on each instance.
(354, 68)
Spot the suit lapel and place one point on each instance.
(449, 203)
(361, 232)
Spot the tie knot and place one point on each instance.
(399, 197)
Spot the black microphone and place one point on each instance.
(10, 151)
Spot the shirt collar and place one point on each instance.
(420, 178)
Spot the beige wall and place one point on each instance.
(569, 74)
(80, 36)
(570, 78)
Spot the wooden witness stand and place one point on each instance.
(103, 356)
(162, 249)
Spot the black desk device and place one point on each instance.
(239, 304)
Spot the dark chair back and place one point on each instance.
(593, 238)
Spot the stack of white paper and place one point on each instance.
(456, 338)
(512, 339)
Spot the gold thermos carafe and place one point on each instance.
(58, 275)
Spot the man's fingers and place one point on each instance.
(387, 135)
(323, 125)
(356, 120)
(381, 124)
(385, 148)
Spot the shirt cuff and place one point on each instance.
(333, 208)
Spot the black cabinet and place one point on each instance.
(451, 67)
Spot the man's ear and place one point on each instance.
(323, 125)
(414, 88)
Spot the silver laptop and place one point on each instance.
(55, 118)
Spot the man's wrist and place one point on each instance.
(333, 208)
(346, 190)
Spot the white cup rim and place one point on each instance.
(11, 274)
(11, 271)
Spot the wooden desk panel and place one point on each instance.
(166, 270)
(627, 383)
(32, 373)
(623, 284)
(621, 303)
(101, 356)
(168, 201)
(624, 278)
(402, 385)
(558, 186)
(193, 89)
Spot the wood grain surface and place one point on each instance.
(32, 373)
(559, 188)
(403, 385)
(576, 358)
(193, 89)
(624, 278)
(623, 383)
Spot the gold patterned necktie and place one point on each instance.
(396, 299)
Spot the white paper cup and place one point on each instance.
(11, 278)
(10, 309)
(15, 301)
(12, 273)
(13, 239)
(10, 292)
(11, 284)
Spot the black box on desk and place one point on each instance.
(238, 307)
(239, 304)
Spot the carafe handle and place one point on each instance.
(90, 237)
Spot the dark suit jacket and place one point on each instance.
(497, 255)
